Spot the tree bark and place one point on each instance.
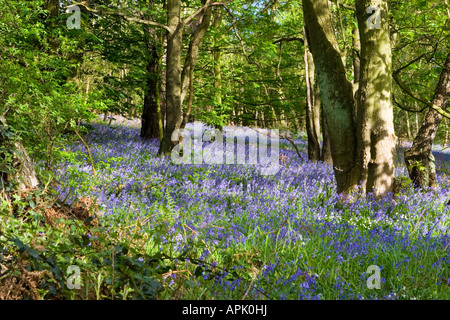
(375, 118)
(151, 114)
(21, 170)
(177, 79)
(173, 76)
(408, 125)
(199, 30)
(217, 55)
(335, 91)
(312, 109)
(326, 148)
(419, 159)
(356, 65)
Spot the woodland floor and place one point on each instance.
(282, 236)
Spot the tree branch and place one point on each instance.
(289, 39)
(346, 6)
(406, 109)
(417, 97)
(250, 61)
(124, 16)
(206, 5)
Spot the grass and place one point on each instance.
(164, 231)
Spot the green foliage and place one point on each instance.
(112, 265)
(417, 165)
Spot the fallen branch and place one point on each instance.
(289, 139)
(293, 144)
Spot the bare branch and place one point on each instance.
(124, 16)
(206, 5)
(417, 97)
(406, 109)
(289, 39)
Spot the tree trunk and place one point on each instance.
(151, 115)
(217, 56)
(335, 92)
(375, 120)
(408, 125)
(312, 109)
(173, 76)
(194, 44)
(356, 65)
(178, 80)
(22, 169)
(326, 148)
(417, 119)
(446, 132)
(419, 159)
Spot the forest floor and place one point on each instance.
(149, 228)
(282, 236)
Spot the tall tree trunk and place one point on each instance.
(408, 125)
(312, 109)
(356, 65)
(326, 148)
(187, 75)
(173, 76)
(416, 120)
(335, 91)
(194, 45)
(151, 115)
(419, 159)
(217, 55)
(159, 104)
(375, 120)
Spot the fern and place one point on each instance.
(170, 203)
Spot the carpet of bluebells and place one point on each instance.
(281, 236)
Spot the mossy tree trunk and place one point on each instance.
(199, 27)
(178, 79)
(375, 117)
(173, 76)
(151, 114)
(361, 134)
(419, 159)
(312, 108)
(326, 148)
(16, 165)
(217, 55)
(335, 91)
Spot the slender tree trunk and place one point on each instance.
(187, 74)
(173, 76)
(376, 146)
(417, 120)
(150, 118)
(217, 55)
(356, 66)
(335, 91)
(194, 45)
(408, 125)
(446, 132)
(419, 159)
(158, 93)
(312, 109)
